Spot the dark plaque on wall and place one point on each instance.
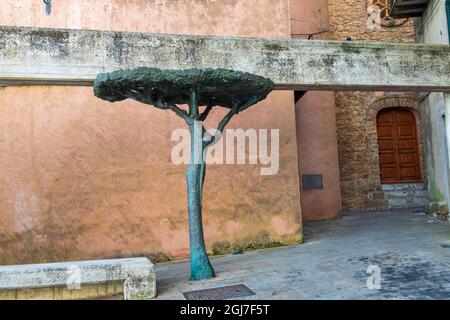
(312, 181)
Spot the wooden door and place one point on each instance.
(398, 146)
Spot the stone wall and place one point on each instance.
(358, 147)
(350, 19)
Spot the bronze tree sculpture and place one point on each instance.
(166, 89)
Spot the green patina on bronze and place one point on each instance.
(219, 87)
(166, 89)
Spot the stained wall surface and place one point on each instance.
(358, 154)
(435, 112)
(316, 122)
(82, 178)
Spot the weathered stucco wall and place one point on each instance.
(435, 110)
(82, 178)
(251, 18)
(358, 149)
(316, 122)
(318, 154)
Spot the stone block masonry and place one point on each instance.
(356, 111)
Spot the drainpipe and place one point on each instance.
(447, 120)
(447, 10)
(447, 132)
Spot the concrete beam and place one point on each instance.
(74, 57)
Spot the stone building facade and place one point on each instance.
(356, 112)
(84, 179)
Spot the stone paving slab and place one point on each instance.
(333, 261)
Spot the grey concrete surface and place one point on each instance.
(75, 57)
(138, 275)
(411, 249)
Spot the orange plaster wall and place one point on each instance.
(82, 178)
(250, 18)
(316, 123)
(317, 146)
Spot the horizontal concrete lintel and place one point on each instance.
(38, 56)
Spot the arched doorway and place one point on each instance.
(398, 146)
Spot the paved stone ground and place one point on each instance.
(412, 250)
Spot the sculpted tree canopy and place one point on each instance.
(166, 89)
(215, 87)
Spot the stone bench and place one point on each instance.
(136, 276)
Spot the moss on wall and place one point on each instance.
(158, 257)
(259, 241)
(435, 194)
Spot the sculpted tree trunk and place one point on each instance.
(195, 176)
(200, 266)
(164, 89)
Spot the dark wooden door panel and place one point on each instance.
(408, 158)
(386, 159)
(389, 174)
(408, 173)
(398, 146)
(407, 145)
(405, 132)
(386, 145)
(386, 132)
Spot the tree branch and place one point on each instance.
(249, 103)
(236, 109)
(193, 106)
(136, 95)
(205, 113)
(179, 112)
(133, 94)
(220, 127)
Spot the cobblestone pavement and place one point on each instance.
(411, 250)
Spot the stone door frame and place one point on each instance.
(379, 104)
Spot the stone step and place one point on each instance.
(408, 202)
(406, 193)
(404, 186)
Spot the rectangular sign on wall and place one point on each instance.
(312, 181)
